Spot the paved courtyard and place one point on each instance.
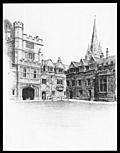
(60, 126)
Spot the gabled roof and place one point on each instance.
(66, 67)
(48, 62)
(92, 59)
(83, 62)
(59, 65)
(74, 64)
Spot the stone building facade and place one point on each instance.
(53, 85)
(93, 78)
(26, 66)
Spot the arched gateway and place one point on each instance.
(28, 93)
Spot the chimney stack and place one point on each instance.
(106, 53)
(101, 56)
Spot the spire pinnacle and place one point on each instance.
(94, 41)
(95, 48)
(94, 18)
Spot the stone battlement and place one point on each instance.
(18, 24)
(31, 38)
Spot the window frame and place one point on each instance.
(24, 72)
(35, 74)
(31, 55)
(53, 92)
(88, 82)
(59, 81)
(13, 91)
(60, 70)
(73, 84)
(43, 81)
(29, 44)
(80, 92)
(68, 83)
(79, 82)
(103, 84)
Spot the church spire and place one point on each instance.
(94, 41)
(94, 49)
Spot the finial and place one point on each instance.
(94, 17)
(59, 59)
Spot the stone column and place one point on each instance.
(21, 94)
(35, 93)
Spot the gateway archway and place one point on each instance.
(28, 93)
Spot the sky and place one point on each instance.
(66, 28)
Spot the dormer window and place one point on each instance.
(72, 70)
(50, 68)
(60, 70)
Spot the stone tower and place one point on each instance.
(8, 40)
(18, 37)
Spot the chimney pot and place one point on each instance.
(106, 52)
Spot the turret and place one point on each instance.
(59, 60)
(8, 30)
(18, 36)
(18, 29)
(102, 55)
(106, 53)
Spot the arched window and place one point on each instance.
(44, 68)
(51, 69)
(34, 73)
(13, 92)
(24, 72)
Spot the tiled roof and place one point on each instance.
(46, 62)
(59, 65)
(76, 64)
(85, 62)
(66, 67)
